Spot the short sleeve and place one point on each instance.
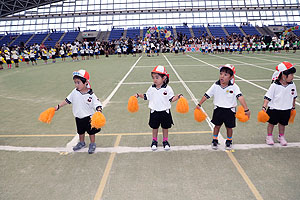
(270, 93)
(210, 92)
(170, 93)
(237, 91)
(96, 102)
(147, 95)
(69, 98)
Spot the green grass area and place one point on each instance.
(200, 174)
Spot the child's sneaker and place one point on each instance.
(269, 140)
(214, 144)
(166, 145)
(92, 148)
(282, 141)
(228, 144)
(154, 145)
(79, 145)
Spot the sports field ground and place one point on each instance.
(37, 162)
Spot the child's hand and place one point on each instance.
(137, 95)
(248, 113)
(198, 106)
(57, 107)
(179, 95)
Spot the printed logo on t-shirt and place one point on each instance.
(90, 99)
(293, 91)
(165, 93)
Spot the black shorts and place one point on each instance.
(74, 55)
(279, 116)
(16, 60)
(32, 59)
(44, 58)
(162, 118)
(8, 62)
(84, 125)
(223, 115)
(53, 56)
(26, 59)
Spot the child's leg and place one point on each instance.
(81, 137)
(281, 129)
(216, 132)
(281, 138)
(229, 133)
(92, 138)
(270, 129)
(165, 134)
(269, 138)
(154, 134)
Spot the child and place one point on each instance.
(15, 57)
(32, 57)
(26, 57)
(1, 61)
(160, 96)
(85, 103)
(45, 56)
(280, 100)
(225, 93)
(7, 58)
(62, 54)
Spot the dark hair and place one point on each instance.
(286, 72)
(83, 80)
(162, 75)
(227, 70)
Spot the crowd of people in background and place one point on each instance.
(151, 46)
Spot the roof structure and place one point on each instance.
(10, 7)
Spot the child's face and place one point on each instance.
(79, 84)
(289, 77)
(224, 78)
(157, 79)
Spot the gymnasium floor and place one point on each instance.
(37, 162)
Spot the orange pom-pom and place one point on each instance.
(98, 120)
(262, 116)
(292, 117)
(182, 105)
(240, 114)
(199, 115)
(47, 115)
(133, 105)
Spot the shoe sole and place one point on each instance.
(79, 149)
(167, 148)
(282, 144)
(214, 147)
(228, 148)
(153, 148)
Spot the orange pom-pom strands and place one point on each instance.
(47, 115)
(133, 105)
(262, 116)
(240, 114)
(199, 115)
(182, 105)
(293, 115)
(98, 120)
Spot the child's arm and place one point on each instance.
(266, 102)
(62, 104)
(137, 95)
(175, 98)
(243, 103)
(294, 104)
(204, 98)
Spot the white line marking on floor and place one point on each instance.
(124, 149)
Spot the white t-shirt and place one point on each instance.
(281, 97)
(83, 104)
(159, 99)
(224, 97)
